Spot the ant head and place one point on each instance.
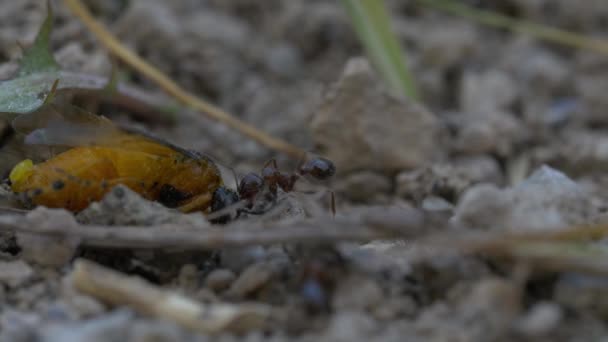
(319, 168)
(250, 185)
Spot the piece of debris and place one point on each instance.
(117, 289)
(251, 280)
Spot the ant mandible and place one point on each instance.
(252, 185)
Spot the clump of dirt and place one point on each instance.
(509, 138)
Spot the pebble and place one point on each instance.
(357, 293)
(219, 279)
(46, 250)
(546, 200)
(364, 186)
(15, 273)
(188, 277)
(540, 320)
(383, 133)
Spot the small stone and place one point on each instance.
(397, 306)
(46, 250)
(283, 60)
(220, 279)
(547, 200)
(364, 186)
(482, 206)
(357, 293)
(238, 259)
(250, 281)
(492, 131)
(439, 180)
(583, 293)
(382, 133)
(436, 204)
(350, 326)
(442, 48)
(188, 277)
(540, 320)
(111, 327)
(495, 303)
(15, 273)
(487, 91)
(123, 206)
(479, 169)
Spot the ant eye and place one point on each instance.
(250, 185)
(319, 168)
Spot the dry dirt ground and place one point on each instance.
(510, 136)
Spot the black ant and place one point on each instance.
(253, 185)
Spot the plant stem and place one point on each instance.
(547, 33)
(173, 89)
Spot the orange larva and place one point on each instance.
(102, 156)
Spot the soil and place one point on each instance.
(509, 136)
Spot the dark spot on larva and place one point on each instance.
(142, 185)
(119, 192)
(170, 196)
(87, 183)
(58, 185)
(36, 192)
(104, 184)
(154, 185)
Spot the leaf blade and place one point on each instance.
(38, 57)
(372, 23)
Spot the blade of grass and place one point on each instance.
(372, 23)
(543, 32)
(173, 89)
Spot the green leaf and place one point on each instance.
(25, 94)
(38, 58)
(372, 24)
(38, 71)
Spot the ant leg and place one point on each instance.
(272, 162)
(333, 202)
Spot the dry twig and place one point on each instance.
(116, 289)
(172, 88)
(322, 230)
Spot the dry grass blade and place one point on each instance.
(521, 26)
(172, 88)
(568, 250)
